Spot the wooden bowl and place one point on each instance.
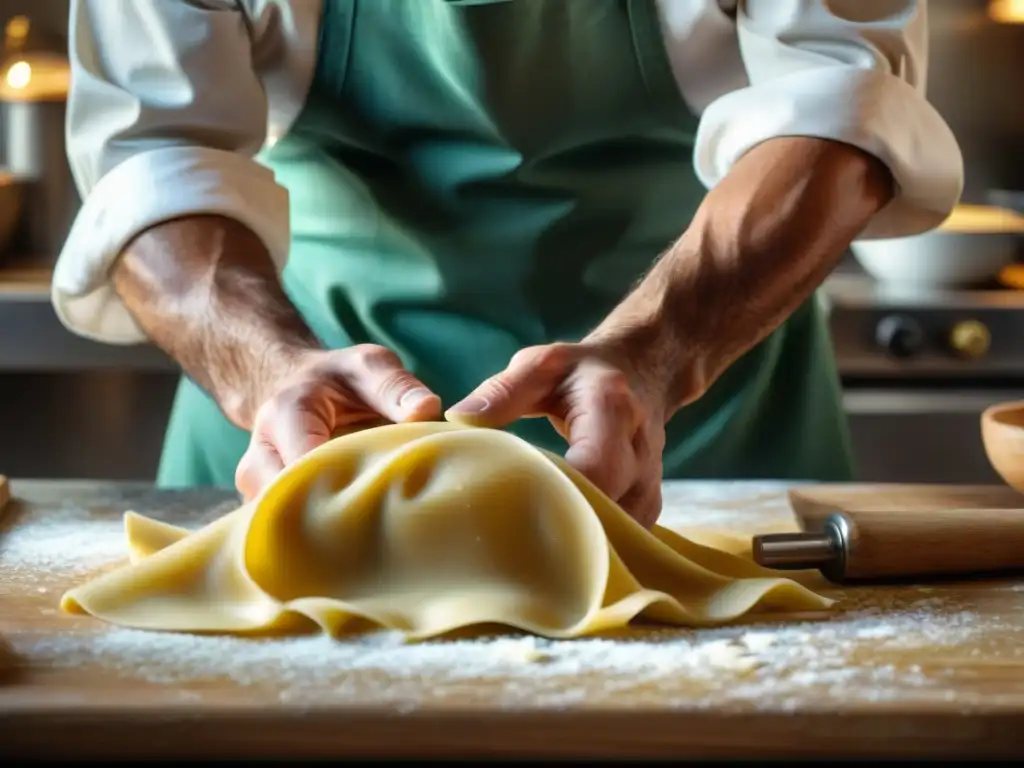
(1002, 433)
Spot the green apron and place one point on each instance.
(470, 178)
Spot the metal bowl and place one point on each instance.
(12, 195)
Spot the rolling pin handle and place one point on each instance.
(824, 550)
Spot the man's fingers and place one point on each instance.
(502, 399)
(643, 502)
(296, 431)
(601, 423)
(519, 391)
(376, 375)
(258, 467)
(606, 461)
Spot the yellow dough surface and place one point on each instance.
(427, 528)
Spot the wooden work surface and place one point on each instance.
(935, 669)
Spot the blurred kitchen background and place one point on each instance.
(928, 332)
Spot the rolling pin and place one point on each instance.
(875, 545)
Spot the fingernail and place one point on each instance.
(472, 404)
(414, 397)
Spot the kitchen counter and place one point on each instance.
(42, 343)
(913, 670)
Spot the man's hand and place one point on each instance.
(205, 291)
(761, 242)
(612, 418)
(327, 391)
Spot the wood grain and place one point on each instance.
(894, 672)
(811, 502)
(908, 531)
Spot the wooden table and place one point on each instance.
(925, 670)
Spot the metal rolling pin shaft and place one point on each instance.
(825, 550)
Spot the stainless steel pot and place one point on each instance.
(33, 148)
(34, 82)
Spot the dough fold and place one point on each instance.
(427, 528)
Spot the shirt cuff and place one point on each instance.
(144, 190)
(872, 110)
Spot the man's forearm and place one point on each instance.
(205, 290)
(762, 241)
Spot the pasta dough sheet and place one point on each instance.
(427, 528)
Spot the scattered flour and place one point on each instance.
(760, 666)
(869, 650)
(714, 504)
(61, 541)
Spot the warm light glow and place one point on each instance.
(1006, 11)
(983, 219)
(19, 75)
(40, 78)
(18, 27)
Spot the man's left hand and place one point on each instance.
(613, 420)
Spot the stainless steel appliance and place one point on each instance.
(974, 68)
(918, 367)
(34, 81)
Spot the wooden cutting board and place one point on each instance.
(904, 531)
(893, 671)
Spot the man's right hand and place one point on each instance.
(205, 290)
(327, 391)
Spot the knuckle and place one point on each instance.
(289, 396)
(605, 472)
(643, 501)
(524, 357)
(572, 421)
(613, 393)
(263, 421)
(245, 477)
(650, 510)
(556, 357)
(608, 469)
(373, 356)
(614, 380)
(292, 397)
(496, 388)
(548, 358)
(258, 466)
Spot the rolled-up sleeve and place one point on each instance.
(852, 71)
(165, 116)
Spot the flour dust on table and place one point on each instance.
(760, 666)
(877, 646)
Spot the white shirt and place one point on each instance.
(171, 100)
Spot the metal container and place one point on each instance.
(34, 83)
(33, 148)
